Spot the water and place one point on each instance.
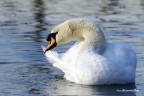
(24, 25)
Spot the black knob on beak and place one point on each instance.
(48, 37)
(53, 35)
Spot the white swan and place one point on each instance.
(92, 60)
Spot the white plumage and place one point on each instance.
(92, 60)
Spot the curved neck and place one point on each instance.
(94, 39)
(90, 34)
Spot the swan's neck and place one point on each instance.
(94, 40)
(90, 35)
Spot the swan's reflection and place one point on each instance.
(62, 87)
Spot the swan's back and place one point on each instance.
(123, 60)
(120, 53)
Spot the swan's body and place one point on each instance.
(92, 60)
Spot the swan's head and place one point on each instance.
(59, 35)
(71, 30)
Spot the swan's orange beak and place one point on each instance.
(52, 41)
(51, 44)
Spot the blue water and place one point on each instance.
(24, 25)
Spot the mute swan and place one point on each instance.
(92, 60)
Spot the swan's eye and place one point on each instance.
(53, 35)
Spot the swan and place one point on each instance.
(91, 60)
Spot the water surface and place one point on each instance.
(24, 25)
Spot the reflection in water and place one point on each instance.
(39, 15)
(110, 7)
(142, 4)
(39, 21)
(66, 88)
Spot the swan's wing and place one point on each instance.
(52, 56)
(55, 59)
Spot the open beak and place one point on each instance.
(52, 42)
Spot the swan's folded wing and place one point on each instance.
(55, 59)
(52, 56)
